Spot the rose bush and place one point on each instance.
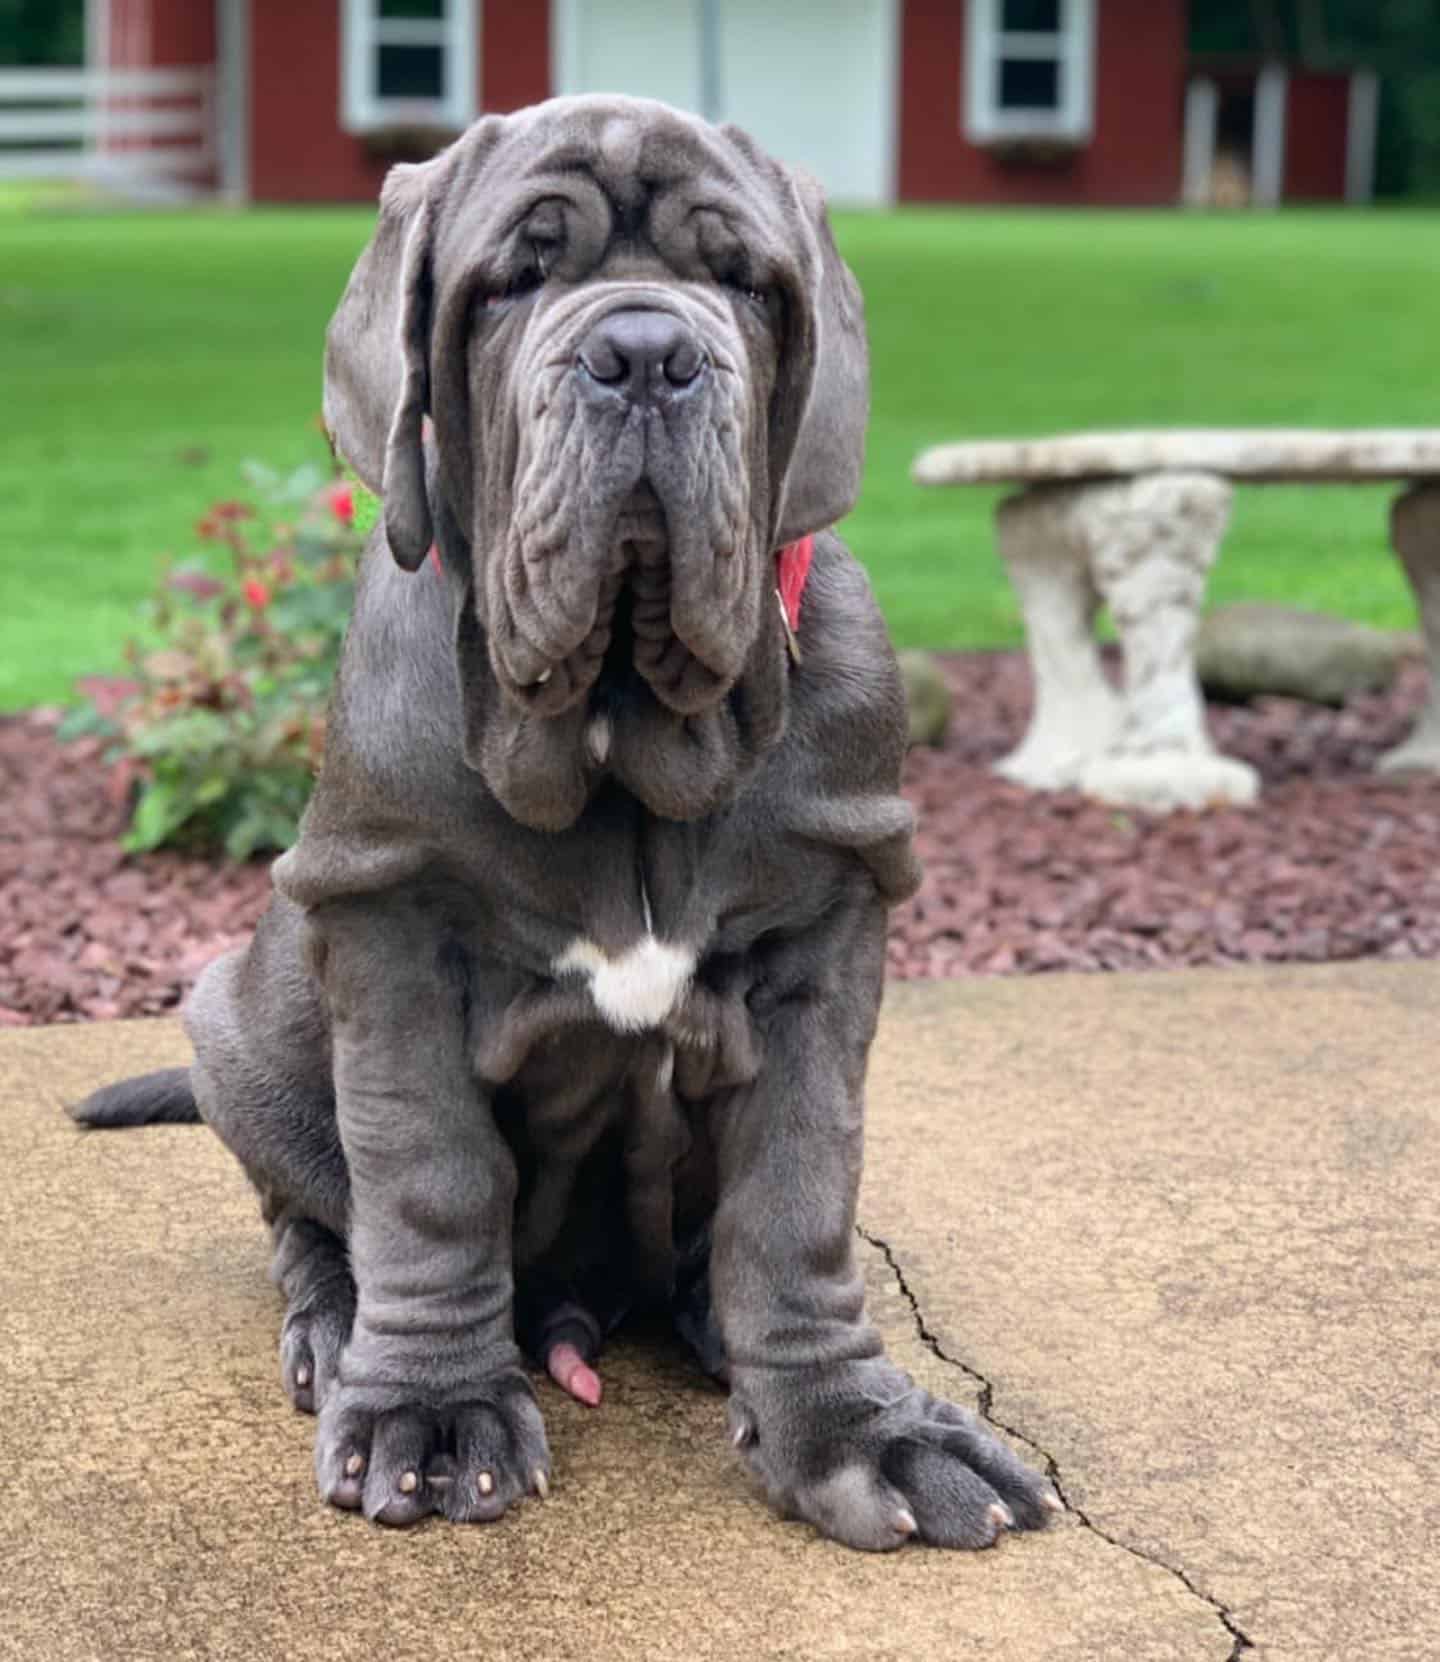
(219, 724)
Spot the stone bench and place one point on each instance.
(1134, 521)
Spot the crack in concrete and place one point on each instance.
(1241, 1641)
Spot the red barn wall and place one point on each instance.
(181, 32)
(1134, 155)
(298, 150)
(514, 54)
(162, 34)
(1316, 131)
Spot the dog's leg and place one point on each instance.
(562, 1336)
(311, 1268)
(693, 1308)
(564, 1312)
(261, 1078)
(432, 1409)
(838, 1434)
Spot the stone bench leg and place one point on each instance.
(1415, 533)
(1077, 712)
(1145, 547)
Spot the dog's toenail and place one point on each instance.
(485, 1483)
(543, 677)
(1052, 1502)
(355, 1465)
(1000, 1515)
(302, 1376)
(905, 1522)
(409, 1483)
(542, 1484)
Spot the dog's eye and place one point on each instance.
(523, 283)
(748, 290)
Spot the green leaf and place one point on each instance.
(320, 606)
(84, 722)
(314, 549)
(190, 733)
(367, 510)
(162, 810)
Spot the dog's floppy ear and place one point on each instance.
(377, 361)
(829, 395)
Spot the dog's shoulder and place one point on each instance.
(847, 701)
(835, 777)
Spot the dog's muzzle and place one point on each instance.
(641, 357)
(630, 547)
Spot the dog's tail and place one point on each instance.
(163, 1098)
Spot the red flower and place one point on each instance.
(342, 503)
(256, 594)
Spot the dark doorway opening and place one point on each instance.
(1232, 176)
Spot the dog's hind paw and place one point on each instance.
(311, 1341)
(398, 1456)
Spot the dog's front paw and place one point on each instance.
(861, 1452)
(398, 1453)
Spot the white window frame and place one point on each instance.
(986, 44)
(363, 32)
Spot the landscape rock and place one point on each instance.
(1336, 862)
(1252, 649)
(927, 698)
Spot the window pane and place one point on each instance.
(1029, 84)
(1041, 17)
(433, 9)
(412, 72)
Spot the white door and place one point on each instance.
(647, 51)
(813, 80)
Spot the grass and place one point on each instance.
(989, 324)
(144, 356)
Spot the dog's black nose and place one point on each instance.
(643, 356)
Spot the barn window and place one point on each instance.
(1029, 70)
(407, 63)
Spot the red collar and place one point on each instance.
(792, 571)
(792, 568)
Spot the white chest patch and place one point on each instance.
(636, 990)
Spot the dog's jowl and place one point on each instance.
(562, 1005)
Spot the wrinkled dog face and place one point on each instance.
(617, 318)
(636, 411)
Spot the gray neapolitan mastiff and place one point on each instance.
(561, 1008)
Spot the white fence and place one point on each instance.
(139, 129)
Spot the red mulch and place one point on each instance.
(1335, 862)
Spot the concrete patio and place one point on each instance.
(1181, 1233)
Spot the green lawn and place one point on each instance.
(144, 356)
